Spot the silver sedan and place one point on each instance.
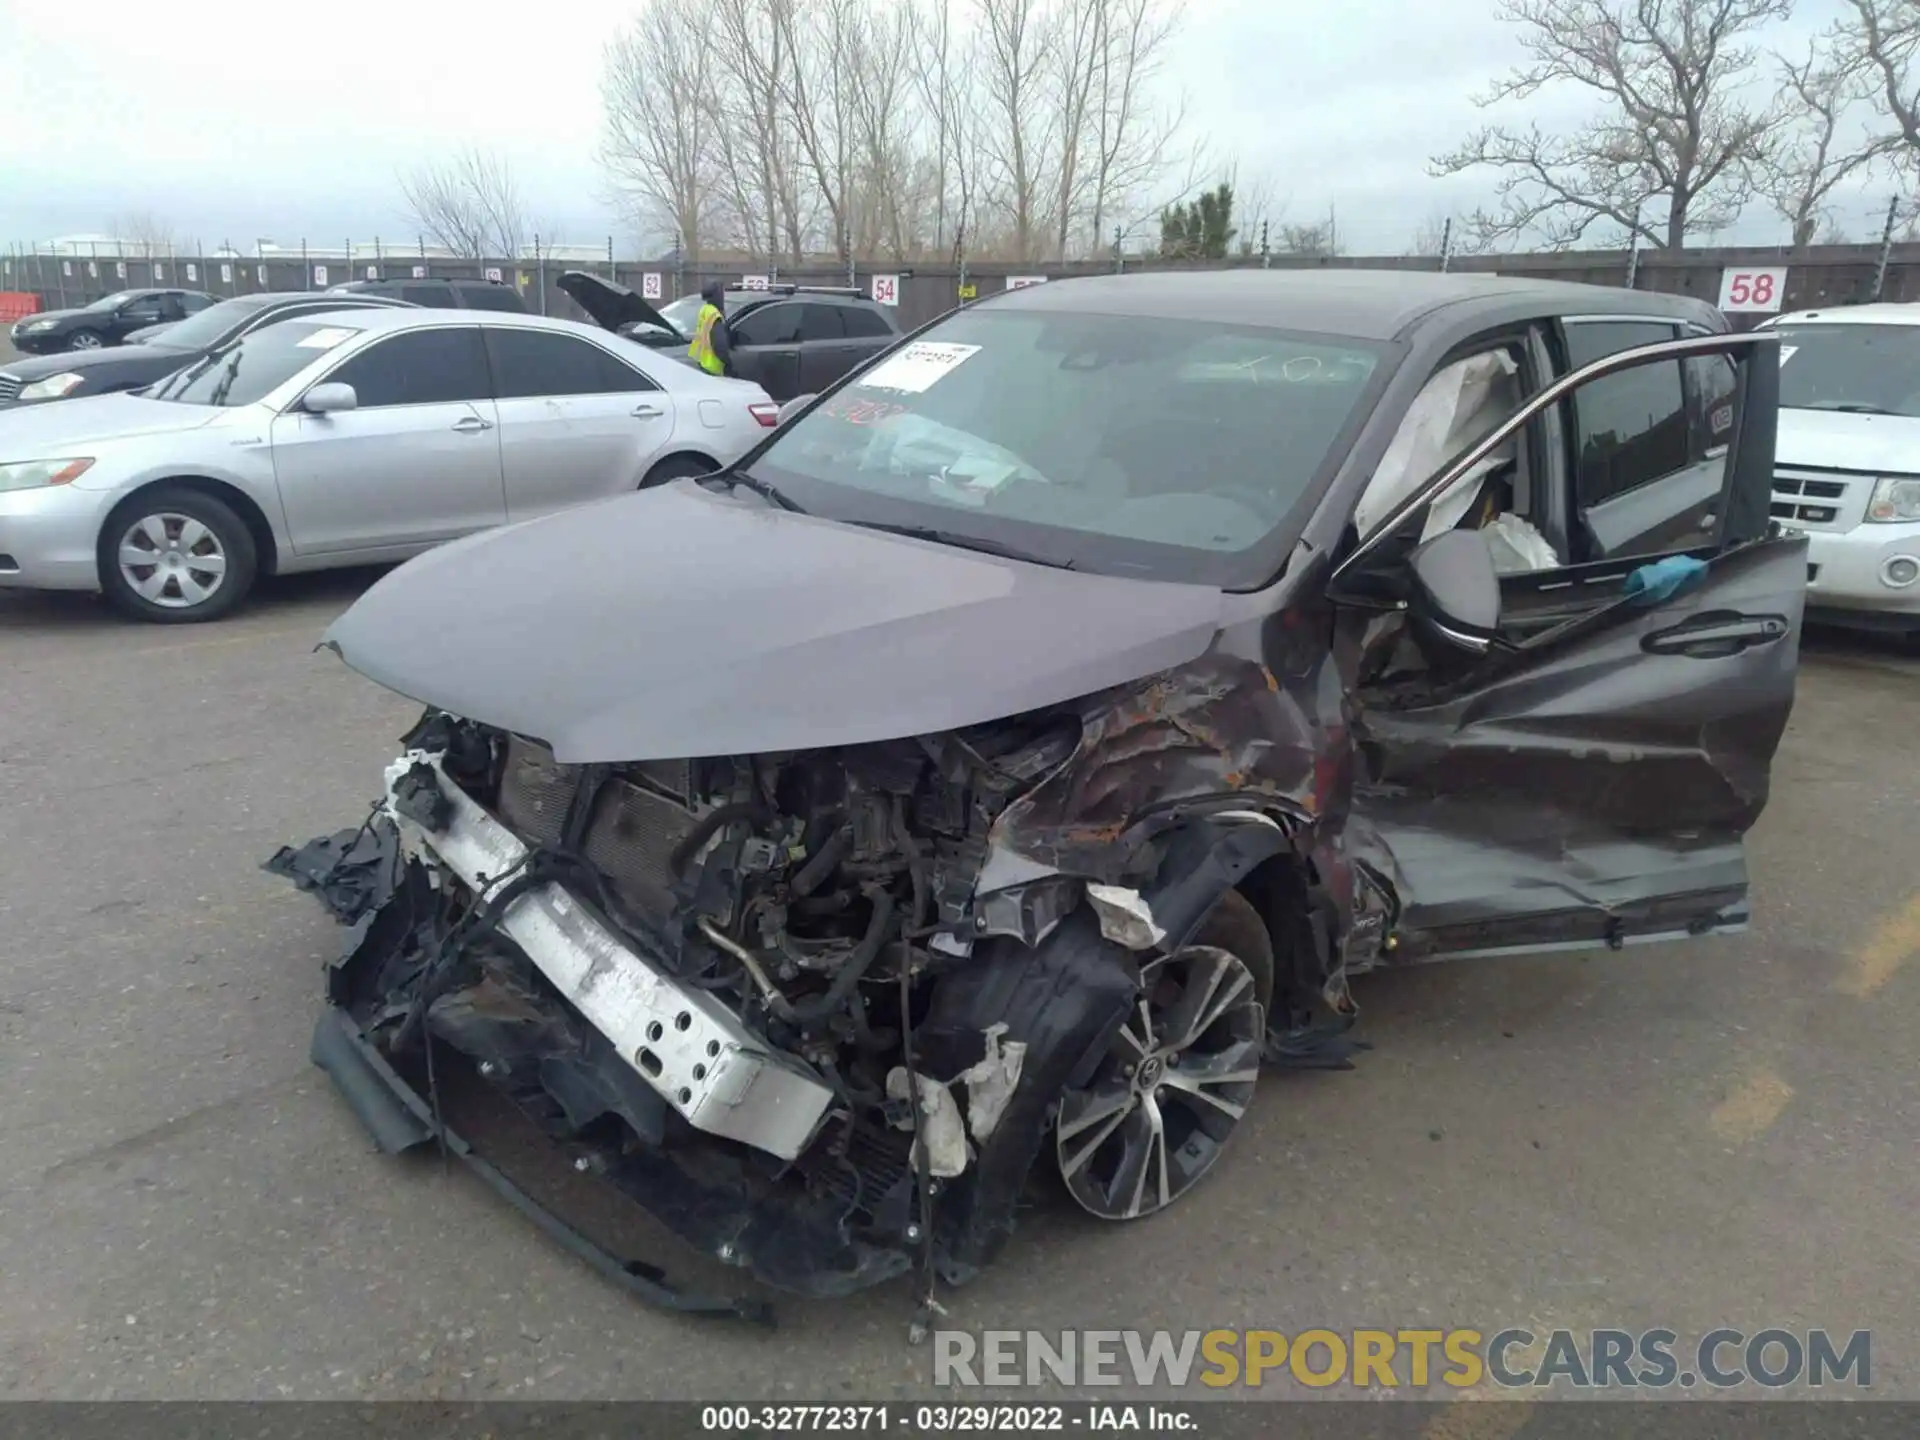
(350, 438)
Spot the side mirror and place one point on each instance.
(792, 408)
(1457, 589)
(330, 397)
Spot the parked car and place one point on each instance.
(439, 293)
(107, 321)
(1849, 472)
(791, 339)
(1043, 727)
(139, 363)
(350, 437)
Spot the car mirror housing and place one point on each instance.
(792, 408)
(329, 398)
(1456, 588)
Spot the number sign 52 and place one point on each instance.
(1752, 290)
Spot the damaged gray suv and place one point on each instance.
(1020, 751)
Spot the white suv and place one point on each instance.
(1848, 463)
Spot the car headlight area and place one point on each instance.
(50, 527)
(54, 387)
(1896, 498)
(32, 474)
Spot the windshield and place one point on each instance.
(682, 313)
(210, 326)
(1120, 443)
(256, 366)
(113, 301)
(1864, 369)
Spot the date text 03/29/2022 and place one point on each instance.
(948, 1419)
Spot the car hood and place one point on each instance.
(1832, 440)
(609, 303)
(149, 332)
(158, 360)
(31, 432)
(674, 623)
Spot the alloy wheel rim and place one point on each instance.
(1159, 1110)
(172, 560)
(86, 342)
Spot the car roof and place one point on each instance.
(1365, 304)
(1884, 314)
(383, 318)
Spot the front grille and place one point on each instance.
(1807, 499)
(10, 388)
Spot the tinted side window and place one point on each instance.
(194, 304)
(821, 322)
(490, 297)
(863, 324)
(769, 325)
(1711, 382)
(432, 296)
(420, 367)
(538, 362)
(1631, 428)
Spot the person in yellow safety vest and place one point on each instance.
(712, 347)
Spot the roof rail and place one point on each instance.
(789, 289)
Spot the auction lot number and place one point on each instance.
(1752, 290)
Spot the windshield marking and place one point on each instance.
(326, 339)
(917, 367)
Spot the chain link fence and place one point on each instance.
(32, 277)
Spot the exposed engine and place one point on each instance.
(797, 888)
(749, 947)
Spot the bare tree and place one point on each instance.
(940, 76)
(143, 232)
(1017, 126)
(1881, 37)
(1671, 153)
(469, 202)
(659, 146)
(1433, 237)
(1318, 238)
(1134, 138)
(885, 129)
(1811, 156)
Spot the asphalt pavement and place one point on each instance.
(1715, 1134)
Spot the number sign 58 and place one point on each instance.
(1752, 290)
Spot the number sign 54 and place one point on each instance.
(1752, 290)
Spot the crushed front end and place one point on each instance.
(711, 981)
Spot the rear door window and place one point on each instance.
(821, 322)
(862, 323)
(530, 363)
(419, 367)
(431, 296)
(491, 297)
(769, 325)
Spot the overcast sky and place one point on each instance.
(241, 124)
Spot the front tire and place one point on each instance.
(175, 556)
(1160, 1108)
(84, 340)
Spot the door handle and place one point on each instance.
(647, 412)
(1716, 633)
(471, 425)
